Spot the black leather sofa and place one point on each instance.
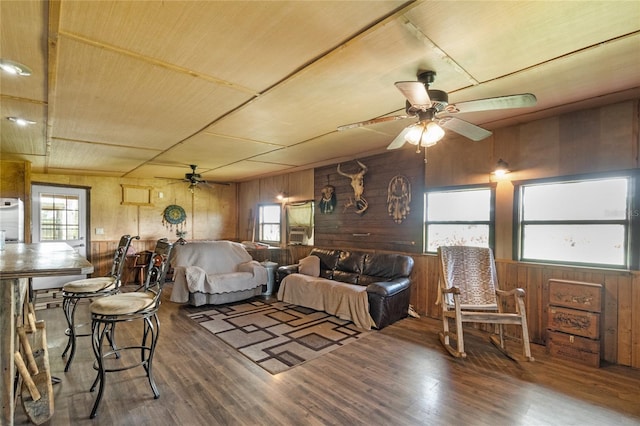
(385, 275)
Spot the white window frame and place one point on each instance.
(262, 223)
(629, 221)
(490, 222)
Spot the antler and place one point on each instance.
(364, 168)
(362, 172)
(340, 172)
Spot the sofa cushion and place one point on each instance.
(389, 266)
(310, 265)
(349, 267)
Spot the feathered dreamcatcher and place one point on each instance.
(174, 215)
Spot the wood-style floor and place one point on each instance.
(397, 376)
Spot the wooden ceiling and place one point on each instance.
(247, 89)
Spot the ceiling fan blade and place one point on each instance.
(399, 141)
(464, 128)
(416, 93)
(500, 102)
(170, 178)
(374, 121)
(213, 182)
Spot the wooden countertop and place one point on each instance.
(41, 259)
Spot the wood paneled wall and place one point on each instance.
(620, 319)
(297, 186)
(375, 228)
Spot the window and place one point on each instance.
(269, 222)
(582, 221)
(300, 223)
(460, 216)
(59, 217)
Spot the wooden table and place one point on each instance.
(18, 263)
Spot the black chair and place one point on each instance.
(141, 304)
(90, 288)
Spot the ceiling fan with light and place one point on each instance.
(432, 109)
(194, 179)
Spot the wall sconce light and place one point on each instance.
(502, 168)
(282, 195)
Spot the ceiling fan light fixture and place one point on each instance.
(425, 134)
(15, 68)
(432, 135)
(414, 135)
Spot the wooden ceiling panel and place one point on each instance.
(24, 20)
(491, 40)
(593, 73)
(230, 85)
(108, 97)
(213, 151)
(87, 158)
(353, 84)
(332, 147)
(252, 44)
(244, 170)
(16, 139)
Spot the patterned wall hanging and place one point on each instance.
(174, 215)
(399, 198)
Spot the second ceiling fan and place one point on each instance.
(432, 109)
(194, 179)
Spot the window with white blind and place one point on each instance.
(576, 221)
(459, 216)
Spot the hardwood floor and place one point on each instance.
(398, 376)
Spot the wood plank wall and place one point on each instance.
(620, 320)
(375, 228)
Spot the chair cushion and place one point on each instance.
(89, 285)
(122, 304)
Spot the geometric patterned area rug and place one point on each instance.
(276, 335)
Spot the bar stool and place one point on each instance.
(141, 304)
(74, 291)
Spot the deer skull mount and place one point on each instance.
(357, 183)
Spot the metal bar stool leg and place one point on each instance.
(154, 333)
(99, 330)
(69, 305)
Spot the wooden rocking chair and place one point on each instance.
(469, 292)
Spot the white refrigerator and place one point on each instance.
(12, 219)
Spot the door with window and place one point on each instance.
(59, 214)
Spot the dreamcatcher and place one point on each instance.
(399, 198)
(174, 215)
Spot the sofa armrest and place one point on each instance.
(254, 267)
(285, 270)
(388, 288)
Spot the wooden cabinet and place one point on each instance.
(573, 325)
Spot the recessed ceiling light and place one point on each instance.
(20, 121)
(15, 68)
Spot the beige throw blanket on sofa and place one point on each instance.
(346, 301)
